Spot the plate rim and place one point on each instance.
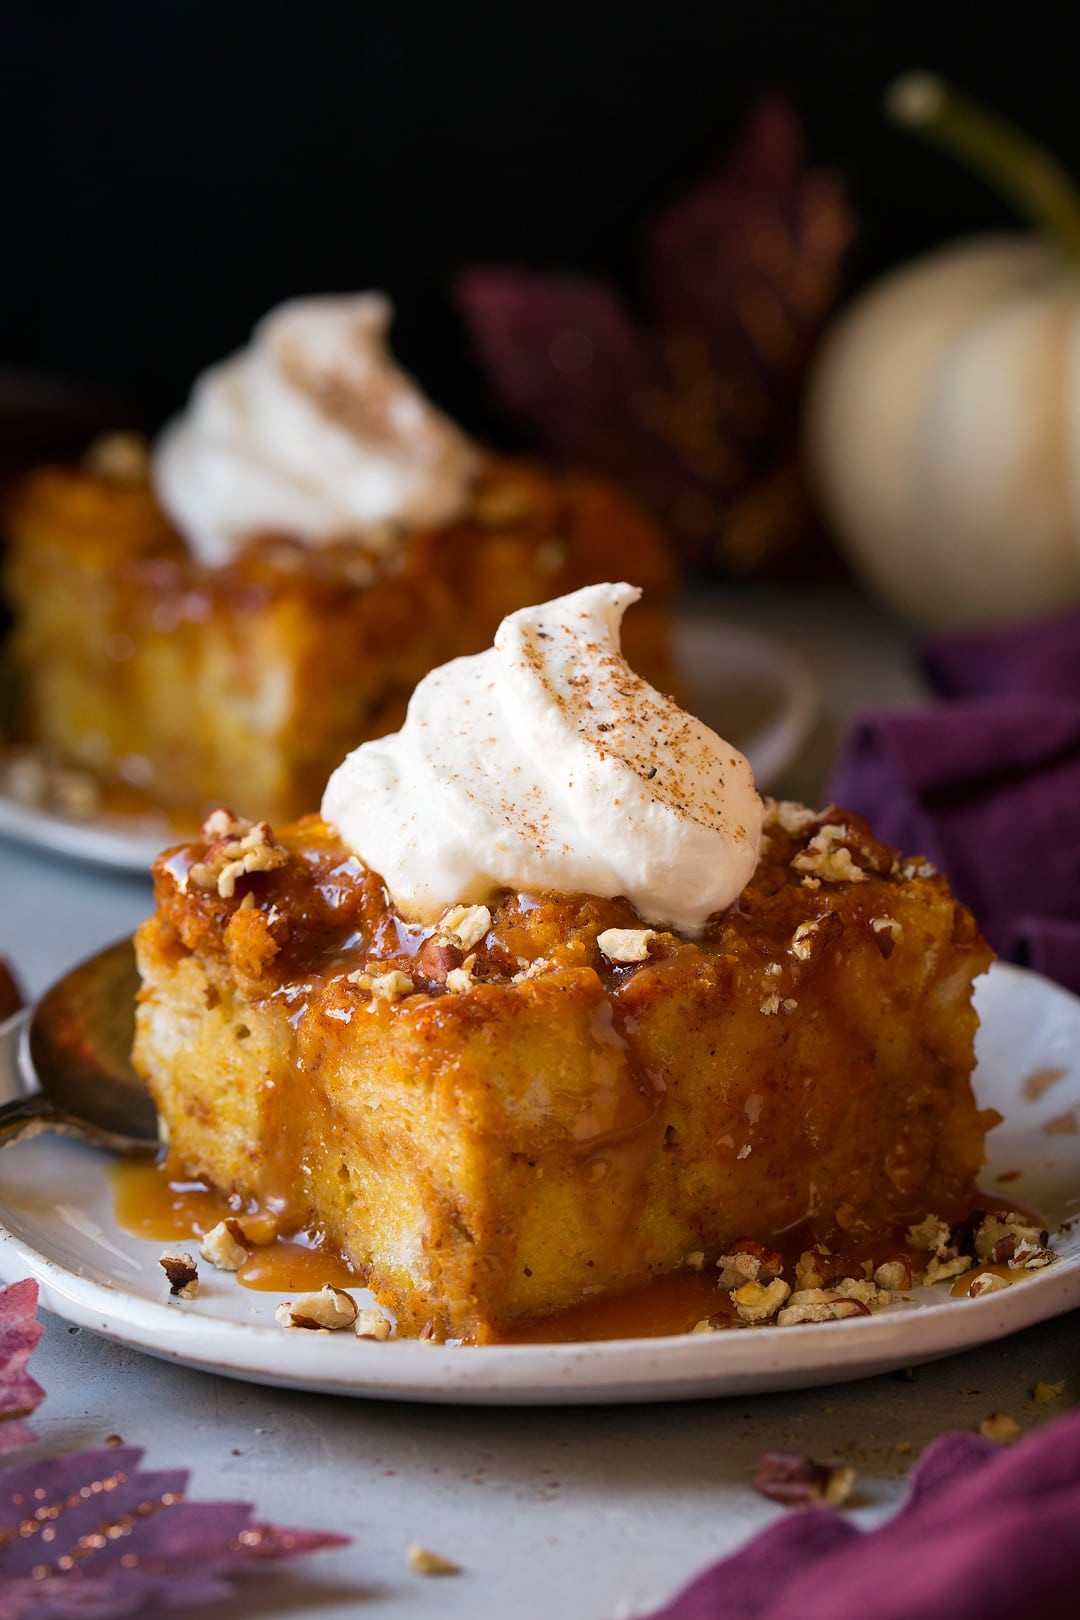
(673, 1367)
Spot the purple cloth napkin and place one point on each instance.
(990, 793)
(983, 1534)
(987, 784)
(1035, 660)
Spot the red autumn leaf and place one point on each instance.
(89, 1535)
(694, 407)
(19, 1333)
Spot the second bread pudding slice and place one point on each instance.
(537, 1094)
(317, 536)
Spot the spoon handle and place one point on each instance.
(26, 1116)
(26, 1110)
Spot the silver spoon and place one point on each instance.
(73, 1060)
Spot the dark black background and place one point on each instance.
(174, 167)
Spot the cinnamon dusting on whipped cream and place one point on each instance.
(546, 763)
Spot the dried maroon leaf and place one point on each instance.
(90, 1535)
(19, 1333)
(695, 406)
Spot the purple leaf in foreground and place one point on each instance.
(19, 1333)
(90, 1535)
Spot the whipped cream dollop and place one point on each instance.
(312, 431)
(546, 763)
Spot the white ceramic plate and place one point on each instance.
(56, 1205)
(112, 841)
(749, 687)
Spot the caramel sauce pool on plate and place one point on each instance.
(149, 1205)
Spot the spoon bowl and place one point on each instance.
(73, 1060)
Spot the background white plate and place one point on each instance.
(746, 685)
(56, 1203)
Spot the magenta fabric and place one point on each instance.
(1036, 659)
(986, 784)
(983, 1534)
(990, 793)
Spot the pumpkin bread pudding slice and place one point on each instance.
(532, 1101)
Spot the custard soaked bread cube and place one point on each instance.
(248, 681)
(531, 1102)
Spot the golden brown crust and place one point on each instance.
(495, 1139)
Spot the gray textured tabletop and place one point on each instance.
(588, 1513)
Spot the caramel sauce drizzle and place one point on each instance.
(150, 1205)
(324, 914)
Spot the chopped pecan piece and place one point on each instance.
(828, 857)
(797, 1481)
(626, 944)
(325, 1311)
(749, 1261)
(864, 1289)
(235, 848)
(886, 931)
(372, 1323)
(792, 817)
(1001, 1428)
(438, 957)
(1033, 1259)
(894, 1273)
(465, 925)
(819, 1310)
(182, 1272)
(389, 986)
(998, 1236)
(756, 1302)
(425, 1562)
(811, 938)
(987, 1282)
(933, 1235)
(941, 1270)
(225, 1245)
(223, 823)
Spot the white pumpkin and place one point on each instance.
(943, 427)
(943, 433)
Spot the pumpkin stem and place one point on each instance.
(1011, 162)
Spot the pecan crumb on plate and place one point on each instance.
(798, 1481)
(422, 1561)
